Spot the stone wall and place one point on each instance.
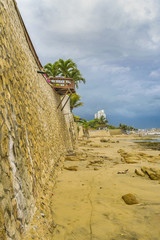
(99, 133)
(33, 133)
(72, 126)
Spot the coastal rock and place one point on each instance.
(71, 168)
(128, 157)
(130, 199)
(122, 172)
(153, 173)
(104, 140)
(95, 169)
(96, 162)
(135, 157)
(70, 158)
(139, 172)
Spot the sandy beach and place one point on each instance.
(86, 202)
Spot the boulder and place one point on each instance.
(139, 172)
(153, 173)
(130, 199)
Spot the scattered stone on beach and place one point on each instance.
(128, 157)
(130, 199)
(129, 160)
(82, 159)
(120, 151)
(71, 168)
(96, 162)
(153, 173)
(104, 140)
(70, 158)
(95, 169)
(96, 146)
(122, 172)
(139, 172)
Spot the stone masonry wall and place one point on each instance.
(33, 133)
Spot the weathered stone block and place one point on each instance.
(1, 191)
(6, 181)
(4, 141)
(14, 207)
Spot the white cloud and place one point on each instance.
(140, 10)
(155, 73)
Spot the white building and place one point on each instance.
(99, 114)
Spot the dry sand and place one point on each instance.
(86, 202)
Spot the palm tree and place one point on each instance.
(66, 67)
(52, 69)
(75, 101)
(103, 120)
(77, 76)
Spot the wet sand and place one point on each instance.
(87, 202)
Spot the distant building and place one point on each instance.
(99, 114)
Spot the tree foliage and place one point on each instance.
(98, 122)
(66, 69)
(52, 70)
(124, 127)
(103, 122)
(75, 101)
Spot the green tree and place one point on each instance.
(66, 69)
(124, 127)
(52, 70)
(103, 120)
(92, 123)
(77, 76)
(75, 101)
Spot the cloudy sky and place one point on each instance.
(116, 45)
